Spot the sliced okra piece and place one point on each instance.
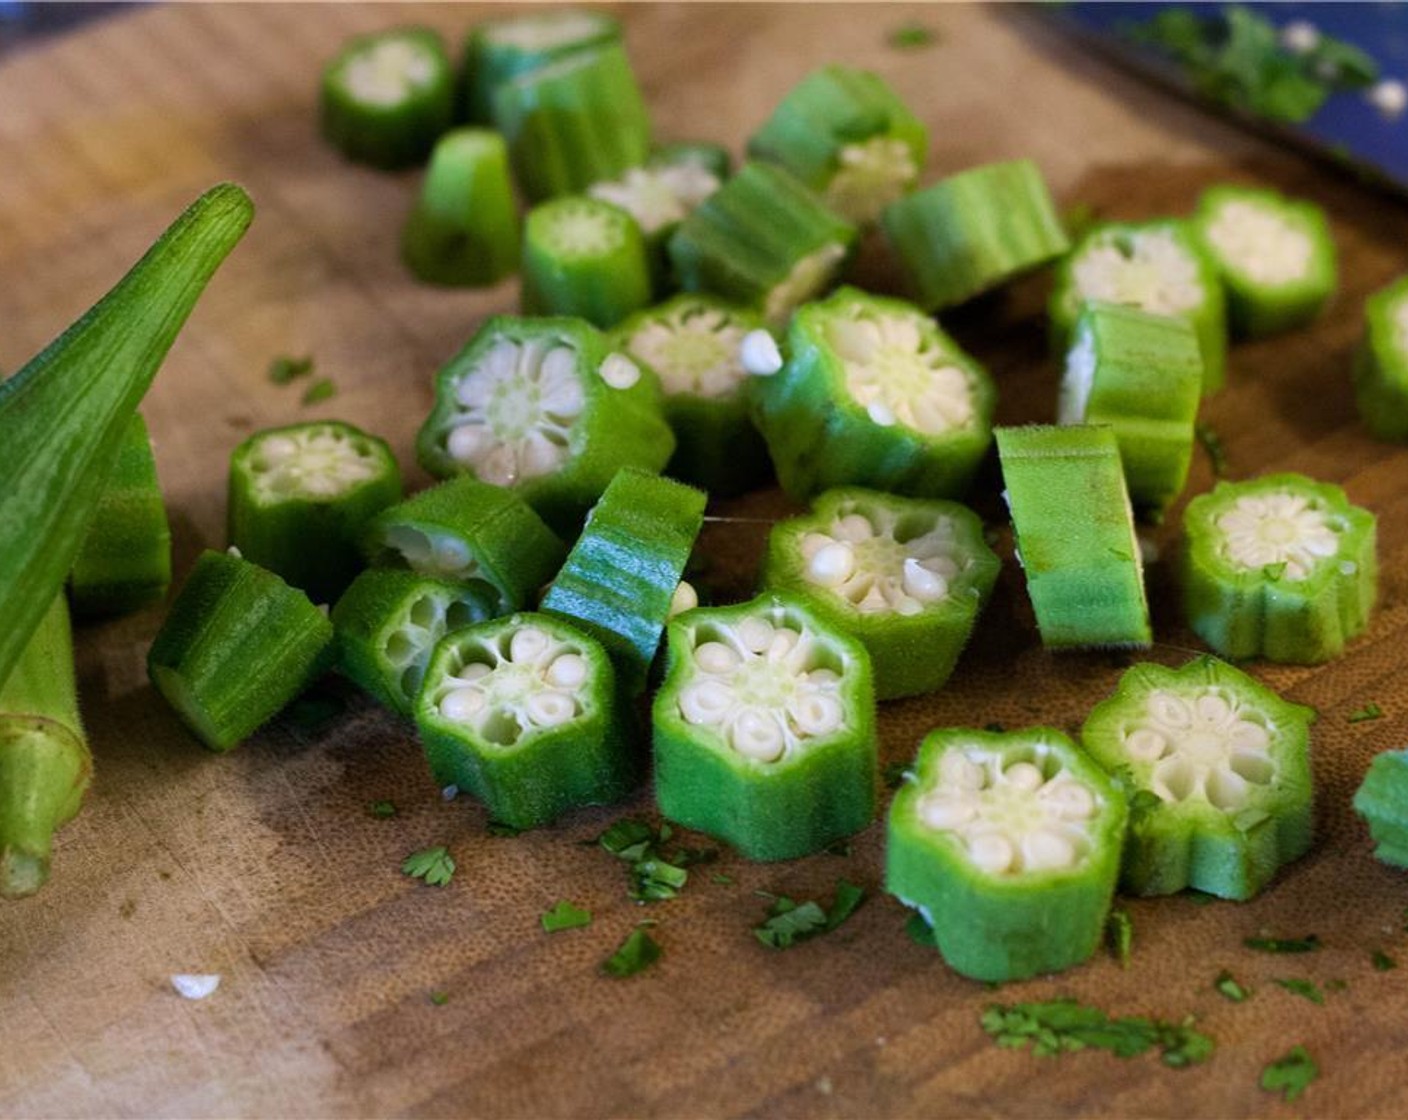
(387, 97)
(1280, 567)
(702, 154)
(873, 393)
(1074, 535)
(692, 344)
(390, 619)
(1142, 375)
(547, 408)
(763, 241)
(764, 728)
(300, 499)
(523, 713)
(847, 135)
(1274, 255)
(975, 231)
(1009, 846)
(1381, 363)
(659, 197)
(1157, 266)
(125, 560)
(906, 577)
(621, 577)
(238, 645)
(584, 257)
(1382, 800)
(1217, 768)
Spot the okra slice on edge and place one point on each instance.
(1074, 535)
(1008, 844)
(238, 644)
(659, 196)
(1280, 567)
(974, 231)
(906, 577)
(301, 496)
(388, 96)
(523, 712)
(1382, 800)
(547, 408)
(1381, 363)
(584, 257)
(764, 728)
(873, 393)
(1217, 768)
(704, 155)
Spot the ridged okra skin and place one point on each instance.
(1382, 800)
(1217, 768)
(764, 728)
(1009, 845)
(1381, 363)
(906, 577)
(1280, 567)
(524, 714)
(584, 257)
(238, 644)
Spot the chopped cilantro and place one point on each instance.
(283, 369)
(722, 879)
(789, 922)
(1303, 988)
(1227, 984)
(1290, 1075)
(434, 865)
(920, 931)
(655, 874)
(321, 390)
(382, 810)
(1064, 1025)
(1383, 962)
(1307, 944)
(1119, 933)
(911, 36)
(439, 999)
(1367, 712)
(1212, 443)
(565, 915)
(637, 953)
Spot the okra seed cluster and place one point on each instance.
(439, 554)
(388, 72)
(313, 462)
(870, 176)
(1260, 243)
(658, 197)
(694, 350)
(898, 376)
(1279, 528)
(860, 558)
(1147, 268)
(427, 620)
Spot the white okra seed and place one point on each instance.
(550, 709)
(832, 565)
(463, 704)
(817, 714)
(468, 441)
(960, 772)
(274, 450)
(755, 634)
(922, 584)
(567, 671)
(528, 644)
(715, 657)
(1046, 849)
(619, 371)
(1145, 744)
(684, 599)
(470, 673)
(1071, 800)
(854, 527)
(881, 413)
(1024, 776)
(705, 702)
(783, 643)
(947, 812)
(451, 554)
(759, 355)
(991, 852)
(758, 735)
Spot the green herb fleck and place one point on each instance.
(637, 953)
(722, 879)
(1367, 712)
(921, 932)
(1227, 984)
(434, 865)
(283, 370)
(439, 999)
(565, 915)
(654, 876)
(1383, 962)
(321, 390)
(1303, 988)
(1212, 443)
(1119, 934)
(911, 36)
(1290, 1075)
(1307, 944)
(382, 810)
(1065, 1026)
(789, 922)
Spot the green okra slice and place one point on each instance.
(1217, 768)
(238, 645)
(659, 196)
(125, 560)
(1280, 567)
(387, 97)
(621, 578)
(547, 408)
(1274, 255)
(1142, 375)
(389, 621)
(906, 577)
(847, 135)
(702, 154)
(1157, 266)
(523, 713)
(463, 229)
(974, 231)
(763, 241)
(1009, 846)
(1381, 363)
(584, 257)
(764, 728)
(872, 393)
(1382, 800)
(301, 496)
(692, 344)
(1074, 535)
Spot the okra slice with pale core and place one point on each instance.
(547, 408)
(238, 645)
(125, 560)
(1280, 567)
(1382, 800)
(1275, 257)
(584, 257)
(1157, 266)
(658, 197)
(621, 578)
(847, 135)
(692, 344)
(704, 155)
(1217, 768)
(906, 577)
(1381, 363)
(390, 619)
(523, 713)
(765, 728)
(387, 97)
(1074, 535)
(1142, 375)
(1009, 845)
(974, 231)
(763, 241)
(872, 393)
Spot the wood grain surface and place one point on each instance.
(266, 867)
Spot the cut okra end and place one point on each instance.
(1381, 363)
(1382, 801)
(584, 257)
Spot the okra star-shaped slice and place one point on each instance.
(765, 728)
(1217, 767)
(907, 577)
(1280, 567)
(1009, 845)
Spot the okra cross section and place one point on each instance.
(584, 257)
(764, 728)
(1382, 801)
(1009, 846)
(1381, 363)
(1280, 567)
(1217, 767)
(658, 197)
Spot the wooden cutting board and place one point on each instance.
(267, 868)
